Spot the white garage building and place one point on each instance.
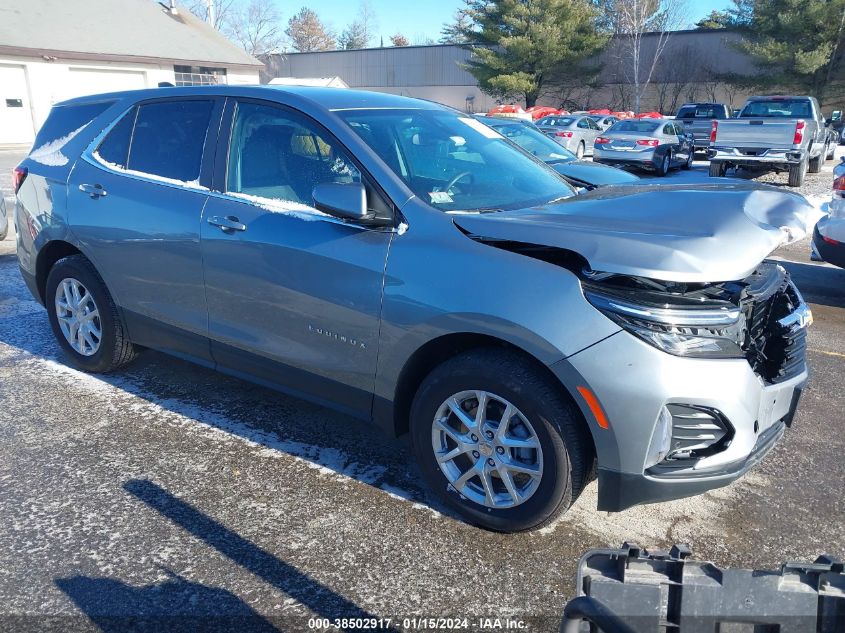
(51, 50)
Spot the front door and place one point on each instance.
(294, 296)
(135, 203)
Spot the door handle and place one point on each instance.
(95, 191)
(229, 224)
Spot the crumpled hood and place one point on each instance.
(684, 233)
(594, 173)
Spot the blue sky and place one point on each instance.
(418, 19)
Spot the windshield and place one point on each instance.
(628, 125)
(783, 108)
(534, 142)
(456, 163)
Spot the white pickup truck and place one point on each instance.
(778, 133)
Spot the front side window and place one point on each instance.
(456, 163)
(276, 154)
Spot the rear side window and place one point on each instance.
(169, 137)
(65, 120)
(115, 147)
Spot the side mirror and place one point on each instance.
(342, 200)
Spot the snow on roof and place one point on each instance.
(322, 82)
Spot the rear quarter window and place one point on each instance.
(115, 147)
(64, 120)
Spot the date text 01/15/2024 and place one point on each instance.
(419, 623)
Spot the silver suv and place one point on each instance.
(405, 263)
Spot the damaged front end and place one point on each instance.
(761, 318)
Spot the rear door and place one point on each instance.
(135, 204)
(294, 296)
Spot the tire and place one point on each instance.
(113, 348)
(565, 449)
(814, 165)
(688, 164)
(665, 165)
(831, 151)
(797, 173)
(718, 170)
(579, 153)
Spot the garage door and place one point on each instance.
(15, 114)
(89, 81)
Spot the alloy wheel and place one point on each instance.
(78, 317)
(487, 449)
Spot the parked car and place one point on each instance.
(656, 145)
(604, 121)
(575, 133)
(4, 222)
(776, 133)
(698, 120)
(829, 234)
(406, 264)
(580, 173)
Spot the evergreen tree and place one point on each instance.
(520, 46)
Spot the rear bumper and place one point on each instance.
(780, 157)
(641, 160)
(831, 253)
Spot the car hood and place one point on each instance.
(594, 173)
(685, 233)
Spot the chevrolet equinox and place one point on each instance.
(403, 262)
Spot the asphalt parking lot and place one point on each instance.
(168, 491)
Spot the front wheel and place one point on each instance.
(688, 164)
(815, 164)
(84, 318)
(579, 153)
(498, 442)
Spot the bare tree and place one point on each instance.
(308, 33)
(643, 28)
(674, 78)
(257, 27)
(368, 20)
(216, 12)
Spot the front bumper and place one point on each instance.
(642, 381)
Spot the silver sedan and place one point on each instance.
(604, 121)
(655, 145)
(576, 133)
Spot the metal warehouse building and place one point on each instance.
(688, 70)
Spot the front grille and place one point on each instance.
(774, 350)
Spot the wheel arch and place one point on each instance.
(47, 257)
(440, 349)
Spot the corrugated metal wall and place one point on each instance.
(394, 67)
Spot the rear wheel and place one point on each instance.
(497, 441)
(718, 170)
(815, 164)
(580, 151)
(797, 173)
(665, 164)
(84, 318)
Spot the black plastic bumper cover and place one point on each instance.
(619, 491)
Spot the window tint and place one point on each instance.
(584, 124)
(668, 129)
(701, 111)
(635, 125)
(115, 147)
(786, 108)
(65, 120)
(169, 138)
(280, 155)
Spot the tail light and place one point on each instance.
(839, 184)
(18, 176)
(651, 142)
(831, 241)
(713, 129)
(799, 133)
(602, 140)
(564, 134)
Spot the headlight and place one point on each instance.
(703, 332)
